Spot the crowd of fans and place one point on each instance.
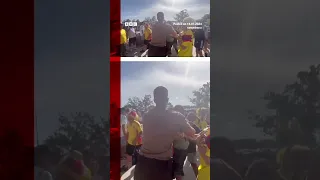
(156, 145)
(166, 138)
(159, 142)
(74, 165)
(161, 37)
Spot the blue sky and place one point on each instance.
(140, 9)
(181, 78)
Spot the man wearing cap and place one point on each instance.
(160, 31)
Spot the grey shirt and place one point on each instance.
(159, 132)
(160, 31)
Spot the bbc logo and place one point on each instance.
(130, 24)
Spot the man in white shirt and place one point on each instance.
(123, 131)
(132, 37)
(142, 31)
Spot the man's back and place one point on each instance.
(132, 33)
(160, 31)
(160, 128)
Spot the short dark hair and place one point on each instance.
(160, 92)
(179, 109)
(160, 95)
(160, 15)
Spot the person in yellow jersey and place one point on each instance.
(203, 115)
(123, 41)
(205, 118)
(134, 141)
(186, 39)
(203, 143)
(197, 122)
(147, 33)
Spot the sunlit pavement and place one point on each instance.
(188, 173)
(135, 52)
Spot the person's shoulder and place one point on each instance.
(175, 114)
(135, 122)
(168, 25)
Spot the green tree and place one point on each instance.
(297, 117)
(201, 97)
(140, 104)
(181, 15)
(147, 19)
(154, 19)
(80, 131)
(205, 19)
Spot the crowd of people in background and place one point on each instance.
(74, 165)
(161, 37)
(159, 141)
(166, 138)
